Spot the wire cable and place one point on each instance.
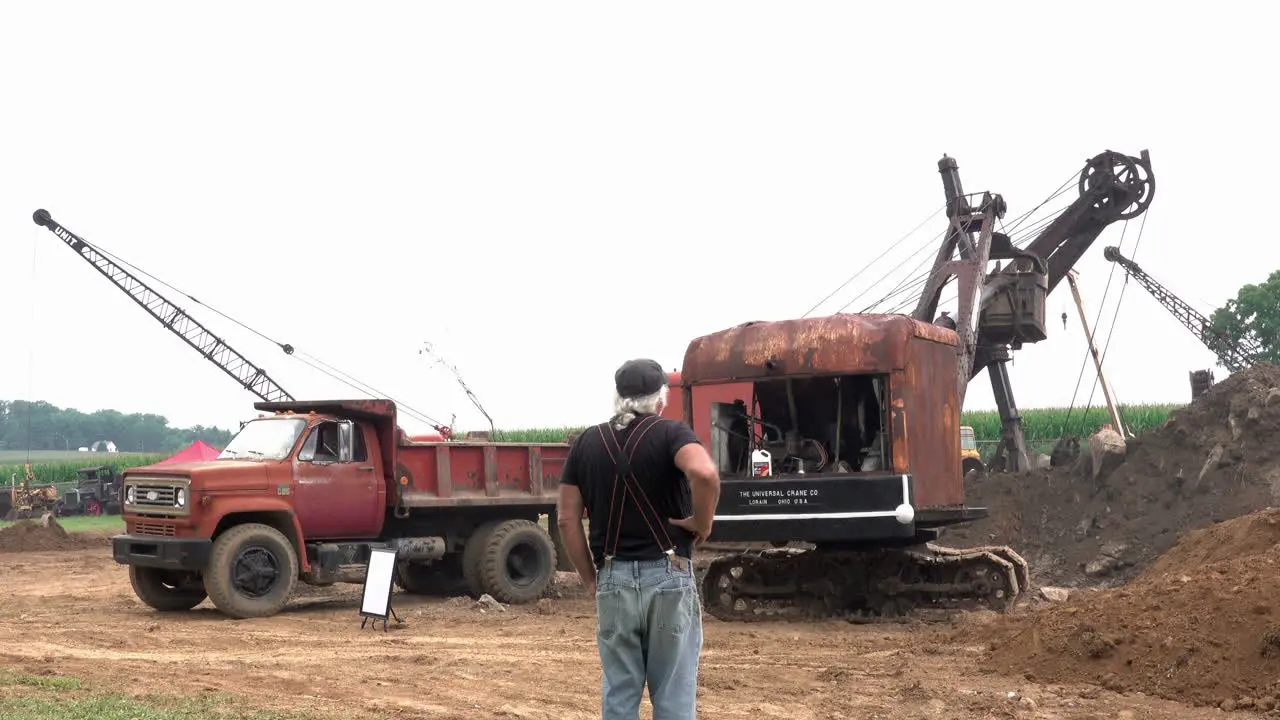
(307, 359)
(1018, 239)
(874, 261)
(1115, 316)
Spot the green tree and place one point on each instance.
(42, 426)
(1254, 316)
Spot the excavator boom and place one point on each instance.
(1005, 309)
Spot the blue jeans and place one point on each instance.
(649, 629)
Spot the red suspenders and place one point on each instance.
(631, 488)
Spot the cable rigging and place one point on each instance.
(1115, 316)
(874, 261)
(258, 382)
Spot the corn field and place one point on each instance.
(53, 472)
(1041, 425)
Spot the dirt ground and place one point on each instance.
(1214, 459)
(1198, 626)
(72, 613)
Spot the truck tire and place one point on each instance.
(518, 562)
(441, 578)
(165, 590)
(473, 556)
(252, 571)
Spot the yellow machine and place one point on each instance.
(970, 459)
(27, 501)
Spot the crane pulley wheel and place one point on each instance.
(1123, 185)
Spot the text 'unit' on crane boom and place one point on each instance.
(175, 319)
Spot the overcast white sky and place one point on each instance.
(546, 189)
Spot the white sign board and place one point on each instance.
(376, 600)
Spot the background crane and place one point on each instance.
(173, 318)
(1234, 354)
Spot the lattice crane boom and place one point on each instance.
(1234, 355)
(173, 318)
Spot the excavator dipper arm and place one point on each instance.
(173, 318)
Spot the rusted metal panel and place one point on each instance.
(444, 473)
(929, 393)
(697, 414)
(833, 345)
(935, 333)
(491, 471)
(461, 473)
(536, 478)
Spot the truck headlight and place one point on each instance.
(180, 498)
(129, 495)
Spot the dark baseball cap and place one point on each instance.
(637, 378)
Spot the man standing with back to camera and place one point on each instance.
(635, 474)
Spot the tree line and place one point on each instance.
(40, 425)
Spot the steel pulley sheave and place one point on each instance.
(1121, 184)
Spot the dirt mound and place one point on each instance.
(36, 535)
(1215, 459)
(1201, 625)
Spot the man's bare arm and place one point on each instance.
(569, 519)
(704, 485)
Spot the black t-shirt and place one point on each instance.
(590, 468)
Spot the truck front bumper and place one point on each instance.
(161, 552)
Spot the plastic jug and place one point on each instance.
(761, 463)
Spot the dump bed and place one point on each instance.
(452, 473)
(455, 473)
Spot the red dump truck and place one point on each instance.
(307, 490)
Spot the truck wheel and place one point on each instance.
(441, 578)
(473, 556)
(518, 563)
(165, 590)
(252, 571)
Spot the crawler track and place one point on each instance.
(862, 586)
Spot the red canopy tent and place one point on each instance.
(197, 451)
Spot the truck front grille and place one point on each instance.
(157, 496)
(153, 528)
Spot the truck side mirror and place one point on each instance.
(346, 434)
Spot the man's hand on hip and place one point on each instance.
(690, 525)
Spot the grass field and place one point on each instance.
(54, 697)
(1039, 424)
(80, 523)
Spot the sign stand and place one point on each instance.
(375, 600)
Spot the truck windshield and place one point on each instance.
(268, 439)
(967, 441)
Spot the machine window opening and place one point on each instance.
(818, 425)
